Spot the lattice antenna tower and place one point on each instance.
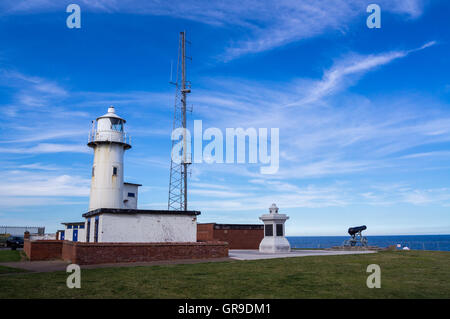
(179, 171)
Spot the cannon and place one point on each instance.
(356, 237)
(354, 230)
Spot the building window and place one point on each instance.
(69, 226)
(114, 171)
(279, 229)
(81, 227)
(96, 230)
(131, 195)
(117, 125)
(268, 230)
(88, 230)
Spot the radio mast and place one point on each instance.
(178, 171)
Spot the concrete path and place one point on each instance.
(239, 254)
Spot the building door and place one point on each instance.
(62, 235)
(75, 235)
(96, 230)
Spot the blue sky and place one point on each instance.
(364, 114)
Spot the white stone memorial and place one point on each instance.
(274, 240)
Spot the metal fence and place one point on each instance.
(19, 230)
(43, 237)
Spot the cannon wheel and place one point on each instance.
(364, 241)
(349, 242)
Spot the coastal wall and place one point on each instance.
(238, 236)
(42, 249)
(101, 253)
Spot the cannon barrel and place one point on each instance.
(353, 230)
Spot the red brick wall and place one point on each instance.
(240, 238)
(205, 232)
(43, 249)
(68, 251)
(236, 238)
(100, 253)
(27, 246)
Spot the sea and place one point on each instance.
(420, 242)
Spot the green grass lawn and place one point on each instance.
(8, 270)
(11, 255)
(412, 274)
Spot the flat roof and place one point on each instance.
(234, 226)
(121, 211)
(132, 184)
(74, 223)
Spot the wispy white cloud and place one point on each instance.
(319, 141)
(39, 166)
(427, 154)
(344, 71)
(33, 136)
(43, 86)
(21, 183)
(216, 193)
(46, 148)
(265, 25)
(258, 194)
(388, 195)
(44, 111)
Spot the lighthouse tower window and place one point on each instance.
(117, 125)
(93, 171)
(114, 171)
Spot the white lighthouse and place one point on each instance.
(109, 142)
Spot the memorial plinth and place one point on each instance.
(274, 240)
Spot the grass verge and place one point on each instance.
(7, 255)
(9, 270)
(412, 274)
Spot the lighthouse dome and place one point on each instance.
(111, 114)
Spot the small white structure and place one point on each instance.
(74, 232)
(140, 226)
(130, 195)
(274, 240)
